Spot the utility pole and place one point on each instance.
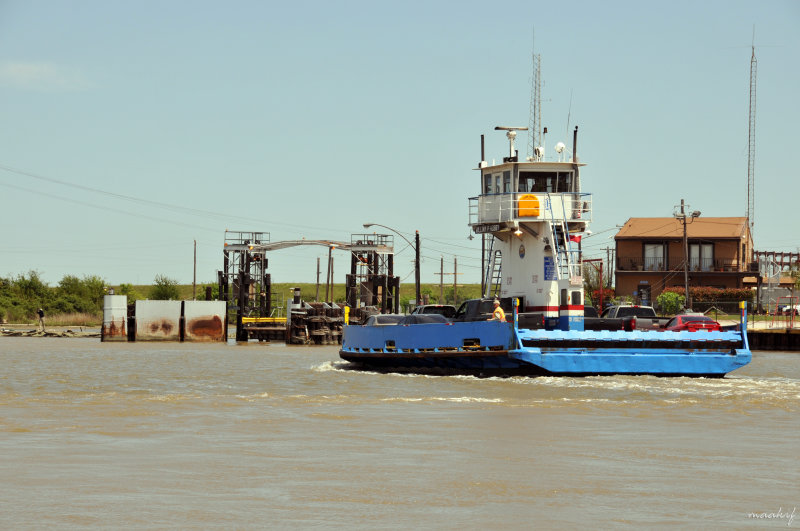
(685, 259)
(317, 297)
(682, 218)
(610, 268)
(455, 274)
(328, 275)
(455, 280)
(416, 266)
(194, 275)
(441, 280)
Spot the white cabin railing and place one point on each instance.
(530, 206)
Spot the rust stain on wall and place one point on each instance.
(157, 329)
(205, 327)
(164, 327)
(114, 330)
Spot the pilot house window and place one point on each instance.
(497, 183)
(545, 182)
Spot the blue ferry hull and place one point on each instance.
(496, 347)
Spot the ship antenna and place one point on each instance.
(569, 111)
(511, 134)
(535, 112)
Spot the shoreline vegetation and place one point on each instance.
(78, 302)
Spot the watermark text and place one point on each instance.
(780, 515)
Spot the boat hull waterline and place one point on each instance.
(494, 346)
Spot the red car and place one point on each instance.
(692, 323)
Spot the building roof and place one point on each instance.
(784, 282)
(702, 227)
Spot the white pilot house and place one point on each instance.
(536, 214)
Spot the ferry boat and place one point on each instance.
(536, 213)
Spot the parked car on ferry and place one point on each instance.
(384, 319)
(423, 318)
(625, 317)
(442, 309)
(692, 323)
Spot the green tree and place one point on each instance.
(84, 295)
(31, 286)
(622, 299)
(129, 291)
(164, 289)
(591, 279)
(201, 291)
(670, 303)
(29, 293)
(6, 299)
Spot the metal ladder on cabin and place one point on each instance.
(566, 257)
(492, 275)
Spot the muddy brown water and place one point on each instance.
(197, 435)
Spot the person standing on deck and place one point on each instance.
(498, 314)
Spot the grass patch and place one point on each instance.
(72, 319)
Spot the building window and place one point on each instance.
(701, 256)
(654, 256)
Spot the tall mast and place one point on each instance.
(751, 142)
(535, 114)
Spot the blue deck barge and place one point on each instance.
(497, 346)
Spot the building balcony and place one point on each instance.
(637, 263)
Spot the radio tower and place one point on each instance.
(535, 115)
(751, 142)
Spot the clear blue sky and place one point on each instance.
(308, 119)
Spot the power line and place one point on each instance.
(159, 204)
(101, 207)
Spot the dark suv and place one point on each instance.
(441, 309)
(478, 310)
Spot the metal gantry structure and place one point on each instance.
(243, 280)
(247, 287)
(371, 282)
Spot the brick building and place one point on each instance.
(650, 255)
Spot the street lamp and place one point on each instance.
(416, 250)
(682, 218)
